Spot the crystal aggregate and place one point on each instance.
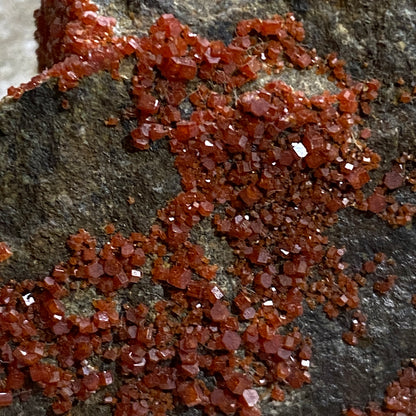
(270, 167)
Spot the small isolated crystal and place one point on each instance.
(393, 180)
(5, 251)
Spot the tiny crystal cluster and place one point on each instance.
(270, 166)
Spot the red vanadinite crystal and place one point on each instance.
(5, 251)
(393, 180)
(271, 168)
(219, 312)
(6, 398)
(376, 203)
(191, 394)
(231, 340)
(399, 398)
(405, 97)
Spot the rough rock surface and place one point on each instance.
(61, 170)
(57, 177)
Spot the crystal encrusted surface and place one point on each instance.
(271, 167)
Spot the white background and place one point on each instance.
(17, 44)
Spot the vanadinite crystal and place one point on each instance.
(270, 167)
(5, 251)
(6, 398)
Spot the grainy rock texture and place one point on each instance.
(61, 170)
(64, 169)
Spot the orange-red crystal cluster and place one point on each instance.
(74, 42)
(382, 201)
(68, 28)
(160, 356)
(399, 399)
(271, 167)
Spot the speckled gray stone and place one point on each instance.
(62, 170)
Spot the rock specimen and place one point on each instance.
(211, 301)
